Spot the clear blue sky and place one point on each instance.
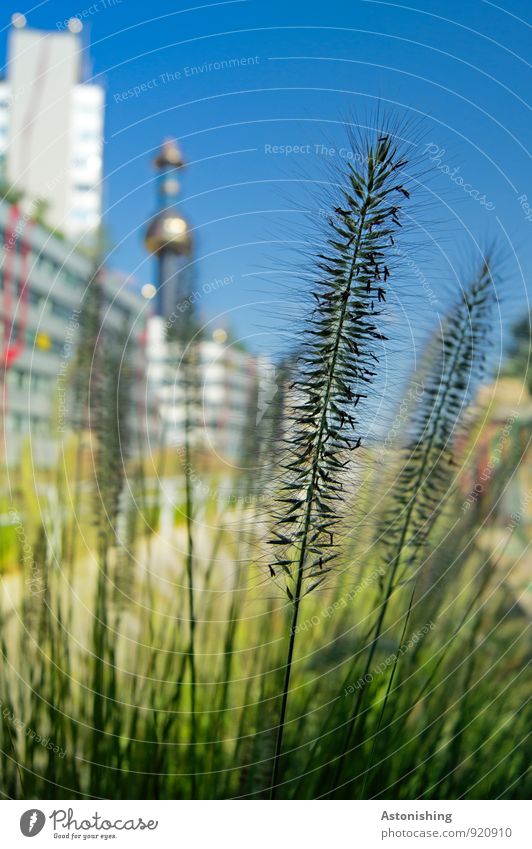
(461, 65)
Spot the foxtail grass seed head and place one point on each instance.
(340, 360)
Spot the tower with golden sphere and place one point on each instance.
(168, 235)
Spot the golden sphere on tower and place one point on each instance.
(168, 231)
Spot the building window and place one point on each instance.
(61, 311)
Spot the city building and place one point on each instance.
(51, 128)
(43, 281)
(232, 389)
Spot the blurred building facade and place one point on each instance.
(43, 282)
(51, 129)
(232, 389)
(497, 483)
(51, 146)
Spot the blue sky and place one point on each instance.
(462, 66)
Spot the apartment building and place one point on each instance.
(232, 390)
(43, 281)
(51, 129)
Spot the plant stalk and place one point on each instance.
(310, 497)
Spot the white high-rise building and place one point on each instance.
(51, 128)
